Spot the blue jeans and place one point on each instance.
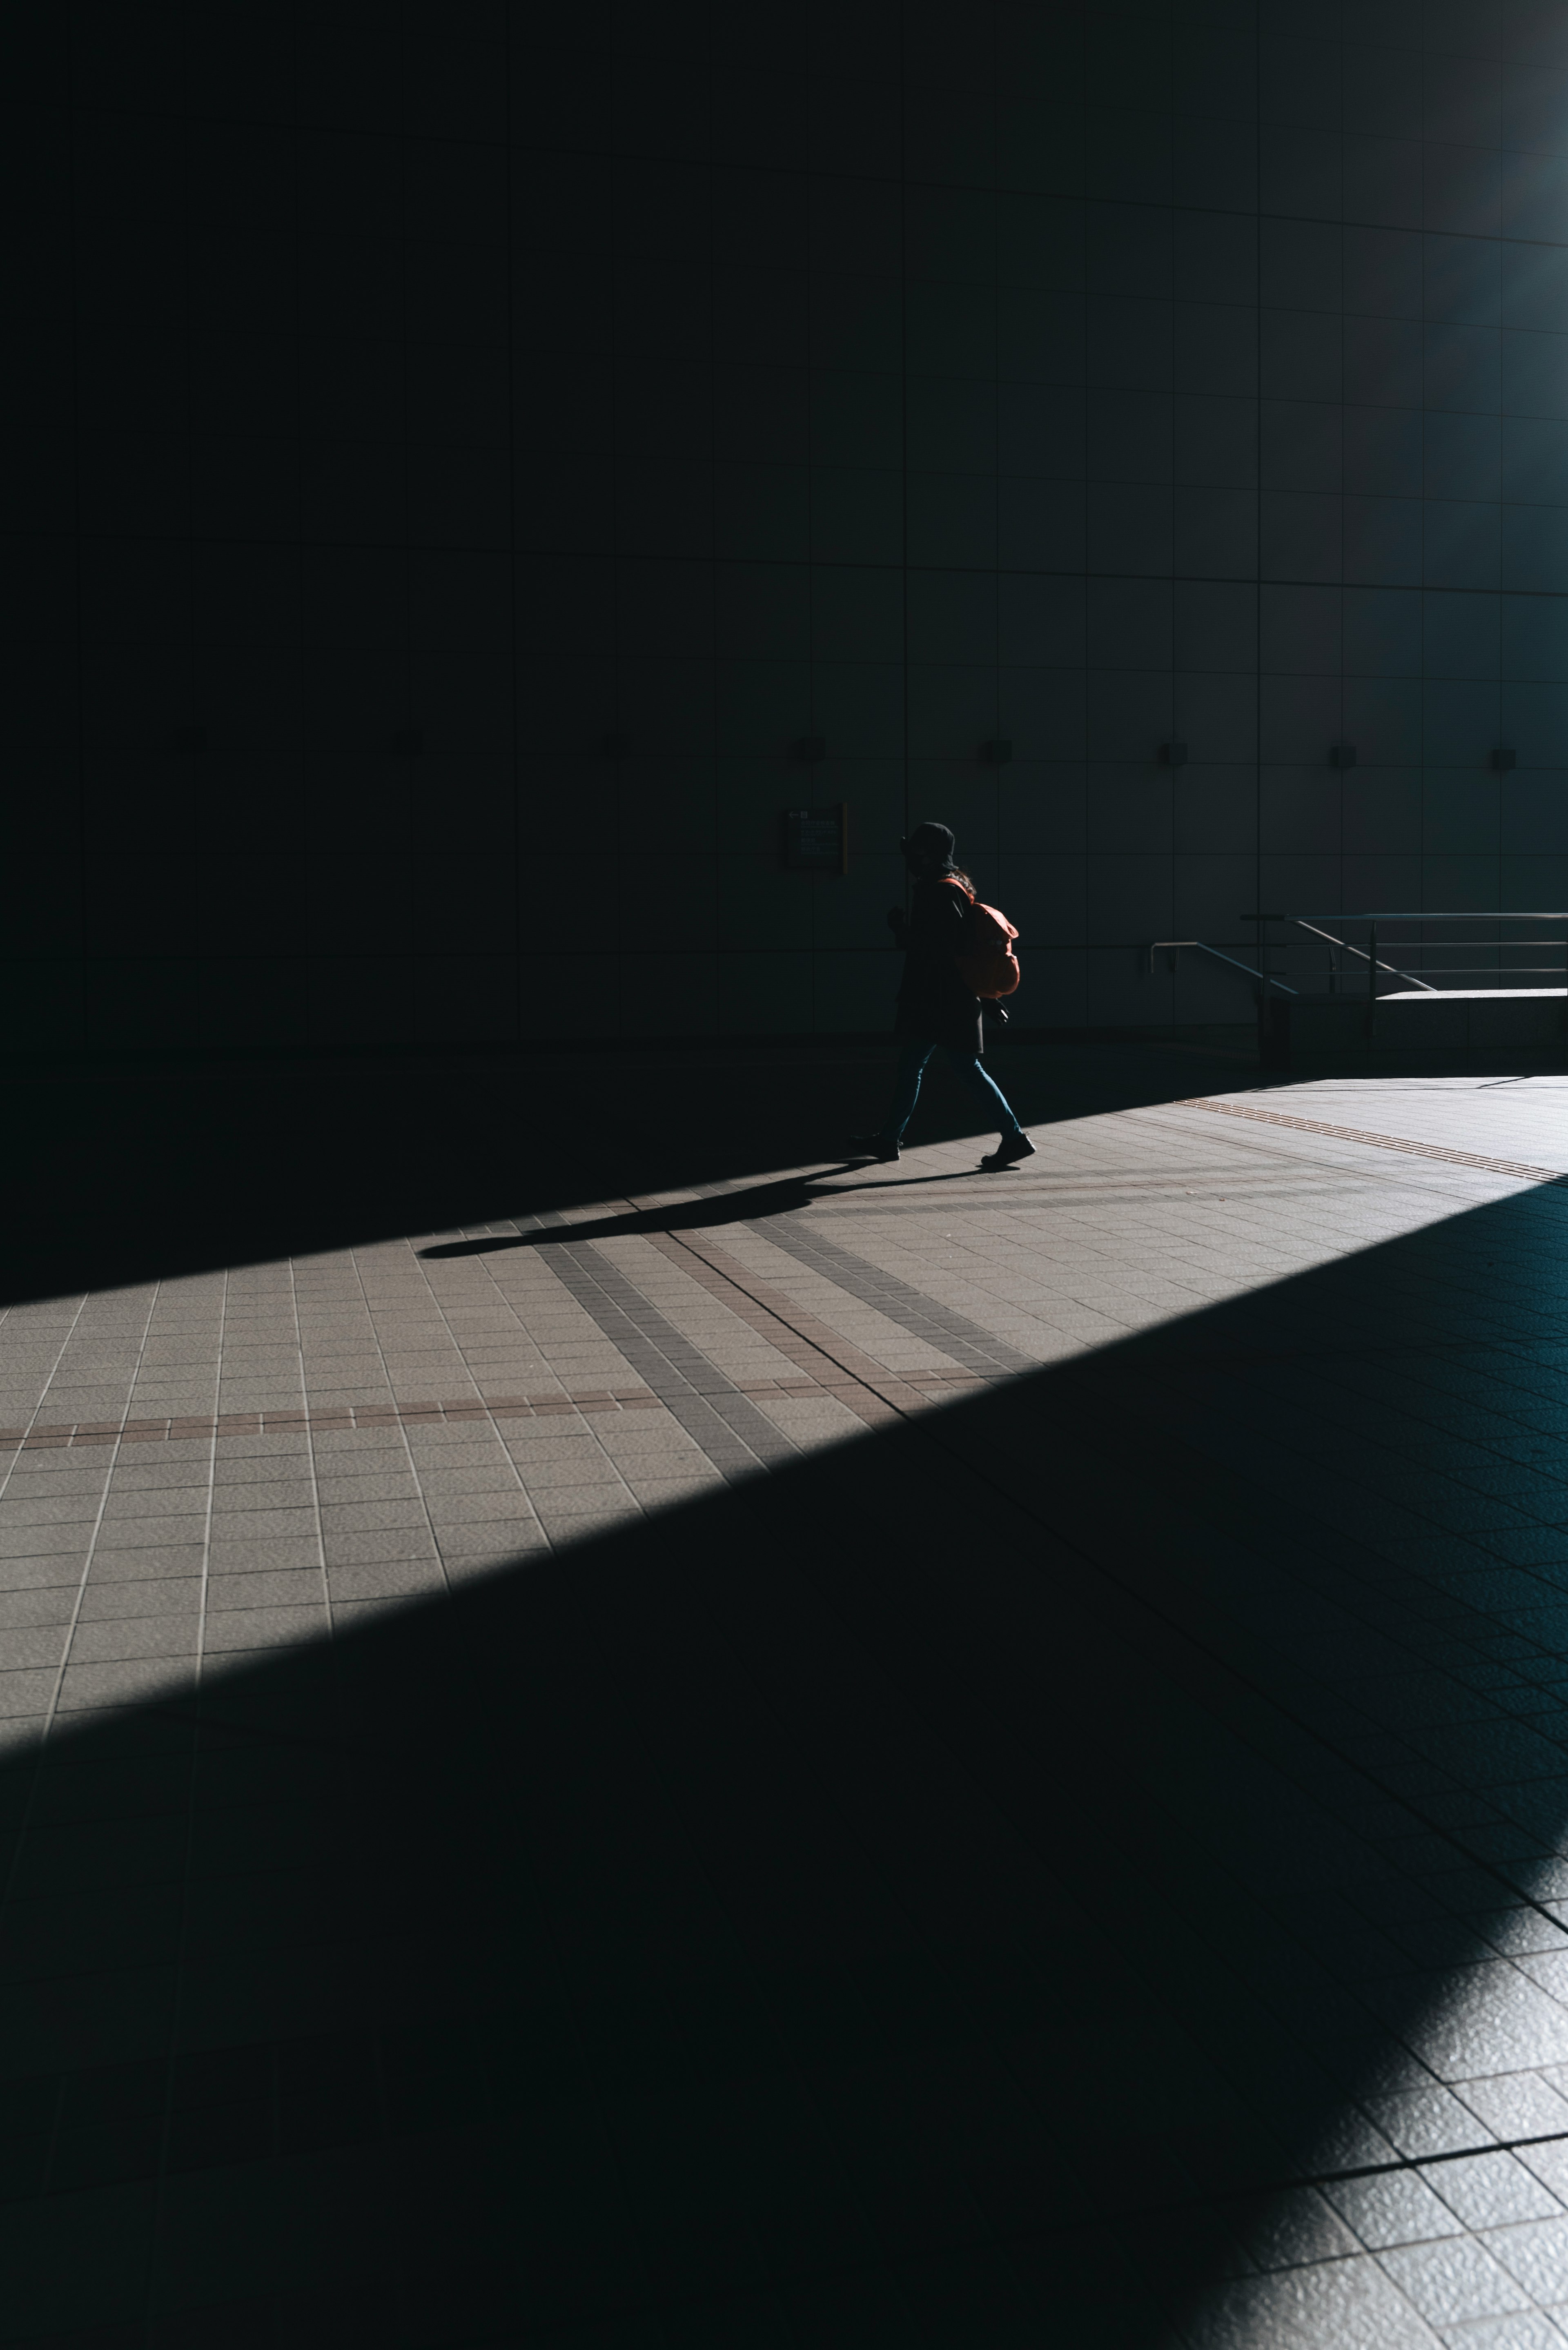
(978, 1082)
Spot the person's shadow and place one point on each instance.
(777, 1197)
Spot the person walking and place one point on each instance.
(935, 1005)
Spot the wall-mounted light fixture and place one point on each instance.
(1173, 754)
(809, 747)
(997, 752)
(1504, 757)
(1342, 754)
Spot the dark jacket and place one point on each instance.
(934, 1004)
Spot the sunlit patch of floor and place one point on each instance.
(204, 1473)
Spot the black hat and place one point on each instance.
(930, 844)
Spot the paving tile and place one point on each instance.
(233, 1555)
(233, 1494)
(39, 1541)
(494, 1537)
(132, 1681)
(370, 1517)
(144, 1470)
(1346, 2302)
(396, 1485)
(185, 1500)
(159, 1532)
(262, 1628)
(45, 1510)
(22, 1646)
(460, 1509)
(661, 1493)
(572, 1471)
(1534, 2256)
(642, 1431)
(1489, 2190)
(466, 1484)
(135, 1636)
(53, 1476)
(25, 1690)
(274, 1587)
(1522, 2329)
(54, 1603)
(1397, 2208)
(346, 1448)
(112, 1601)
(389, 1578)
(60, 1571)
(569, 1525)
(1452, 2281)
(389, 1543)
(289, 1529)
(352, 1615)
(111, 1563)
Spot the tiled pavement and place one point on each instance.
(1145, 1917)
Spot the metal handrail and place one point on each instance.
(1203, 948)
(1557, 914)
(1275, 1019)
(1375, 961)
(1344, 946)
(1493, 970)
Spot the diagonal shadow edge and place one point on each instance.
(1039, 1732)
(246, 1164)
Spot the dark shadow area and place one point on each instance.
(925, 1897)
(125, 1172)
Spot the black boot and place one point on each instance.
(881, 1147)
(1010, 1150)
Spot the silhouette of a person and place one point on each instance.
(935, 1004)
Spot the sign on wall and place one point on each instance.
(817, 840)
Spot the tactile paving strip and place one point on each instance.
(1526, 1174)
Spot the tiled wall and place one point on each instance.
(458, 462)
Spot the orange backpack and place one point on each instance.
(988, 964)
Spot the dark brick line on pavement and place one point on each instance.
(976, 1349)
(52, 1435)
(824, 1370)
(736, 1436)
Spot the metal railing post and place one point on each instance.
(1372, 981)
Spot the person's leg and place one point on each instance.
(910, 1069)
(984, 1088)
